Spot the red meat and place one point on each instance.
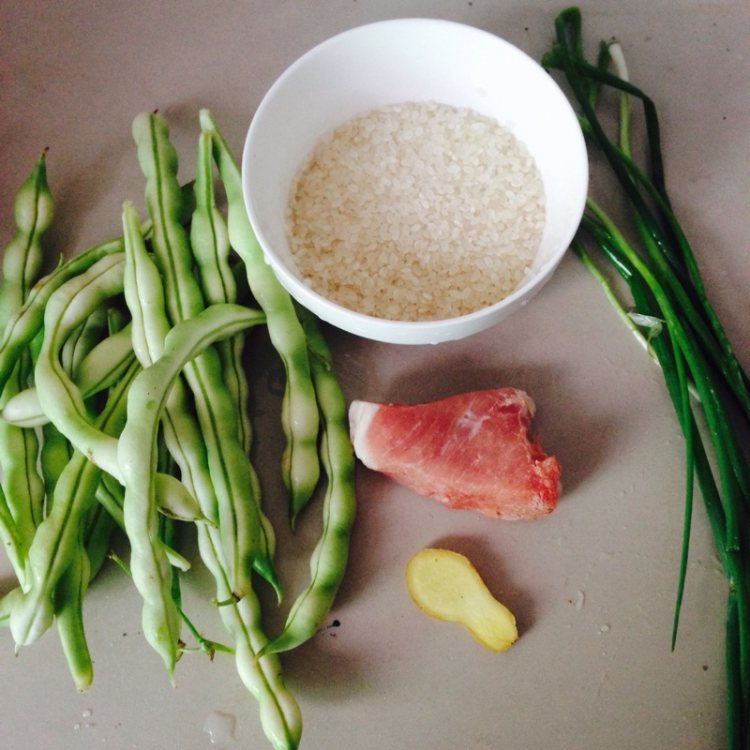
(471, 450)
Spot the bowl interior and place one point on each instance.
(412, 60)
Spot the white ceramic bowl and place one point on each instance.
(412, 60)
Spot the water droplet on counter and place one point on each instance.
(219, 727)
(77, 726)
(87, 713)
(605, 628)
(580, 600)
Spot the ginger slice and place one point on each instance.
(446, 585)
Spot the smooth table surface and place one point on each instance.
(592, 585)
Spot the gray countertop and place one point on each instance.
(592, 585)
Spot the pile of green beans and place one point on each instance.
(124, 413)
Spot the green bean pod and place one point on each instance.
(80, 343)
(69, 595)
(211, 249)
(208, 232)
(24, 410)
(145, 299)
(58, 536)
(137, 457)
(23, 256)
(300, 464)
(111, 497)
(229, 467)
(165, 203)
(101, 368)
(53, 458)
(144, 295)
(210, 242)
(14, 544)
(27, 321)
(59, 397)
(105, 364)
(89, 555)
(23, 489)
(19, 452)
(329, 558)
(7, 601)
(100, 527)
(261, 674)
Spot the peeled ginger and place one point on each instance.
(446, 585)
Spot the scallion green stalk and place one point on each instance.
(693, 350)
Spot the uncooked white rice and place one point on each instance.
(416, 211)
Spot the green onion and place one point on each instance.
(705, 381)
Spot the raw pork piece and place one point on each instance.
(471, 450)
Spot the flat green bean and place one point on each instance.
(279, 712)
(69, 595)
(210, 243)
(58, 536)
(111, 496)
(299, 414)
(80, 343)
(100, 528)
(104, 365)
(137, 456)
(27, 321)
(209, 238)
(88, 556)
(23, 410)
(6, 605)
(23, 256)
(329, 558)
(144, 295)
(15, 546)
(260, 673)
(229, 467)
(55, 453)
(101, 368)
(59, 397)
(23, 489)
